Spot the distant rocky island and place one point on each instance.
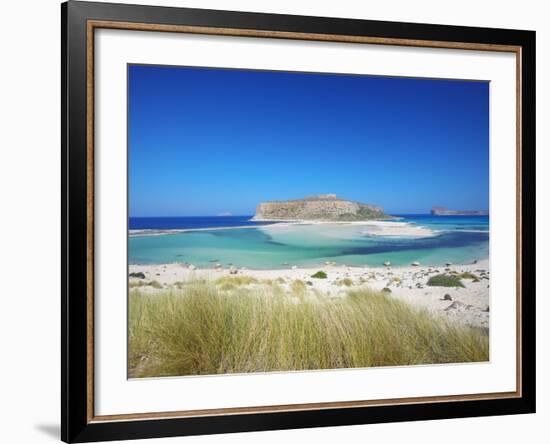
(440, 211)
(322, 207)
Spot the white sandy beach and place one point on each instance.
(371, 228)
(468, 305)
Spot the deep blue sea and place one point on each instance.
(173, 223)
(456, 239)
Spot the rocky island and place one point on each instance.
(322, 207)
(440, 211)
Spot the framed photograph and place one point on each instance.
(276, 221)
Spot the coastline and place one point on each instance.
(160, 232)
(468, 305)
(378, 227)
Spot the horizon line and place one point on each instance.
(251, 215)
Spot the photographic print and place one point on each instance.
(298, 221)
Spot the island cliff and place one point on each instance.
(440, 211)
(323, 207)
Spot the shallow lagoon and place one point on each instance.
(456, 239)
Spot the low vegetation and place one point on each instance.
(346, 282)
(138, 284)
(138, 275)
(221, 327)
(468, 275)
(445, 280)
(232, 282)
(319, 275)
(298, 287)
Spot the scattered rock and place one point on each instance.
(447, 297)
(192, 267)
(387, 263)
(456, 305)
(233, 270)
(386, 290)
(415, 264)
(486, 309)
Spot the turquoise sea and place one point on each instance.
(456, 239)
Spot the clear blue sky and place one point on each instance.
(210, 141)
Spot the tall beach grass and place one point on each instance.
(205, 327)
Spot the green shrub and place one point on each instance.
(319, 275)
(139, 275)
(445, 280)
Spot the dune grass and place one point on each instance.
(298, 287)
(347, 282)
(232, 282)
(137, 284)
(202, 329)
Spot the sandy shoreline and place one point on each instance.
(468, 305)
(372, 228)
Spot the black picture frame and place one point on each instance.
(76, 423)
